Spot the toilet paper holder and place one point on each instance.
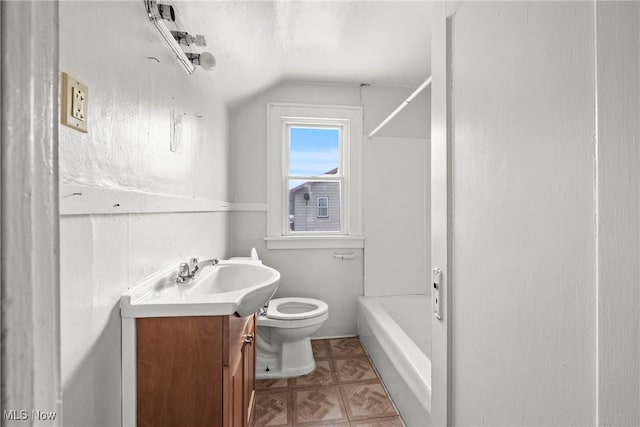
(344, 256)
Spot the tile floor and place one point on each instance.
(344, 391)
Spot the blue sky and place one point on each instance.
(313, 151)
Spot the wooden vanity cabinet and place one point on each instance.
(195, 371)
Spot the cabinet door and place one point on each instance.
(241, 379)
(179, 371)
(249, 359)
(237, 395)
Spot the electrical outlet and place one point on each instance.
(75, 100)
(77, 103)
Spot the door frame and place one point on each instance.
(441, 212)
(30, 292)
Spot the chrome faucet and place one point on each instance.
(196, 266)
(191, 270)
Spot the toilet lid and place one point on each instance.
(295, 308)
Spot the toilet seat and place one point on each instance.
(296, 308)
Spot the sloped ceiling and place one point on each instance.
(260, 43)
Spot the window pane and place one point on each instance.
(314, 205)
(313, 151)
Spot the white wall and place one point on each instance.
(524, 238)
(316, 273)
(106, 45)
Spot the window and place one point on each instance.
(314, 171)
(323, 207)
(314, 157)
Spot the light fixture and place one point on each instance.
(166, 12)
(158, 14)
(206, 60)
(184, 38)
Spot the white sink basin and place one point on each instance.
(223, 289)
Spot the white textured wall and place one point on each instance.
(106, 45)
(524, 242)
(316, 273)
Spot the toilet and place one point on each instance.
(285, 326)
(283, 339)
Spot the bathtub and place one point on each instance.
(396, 331)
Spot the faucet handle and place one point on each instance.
(184, 272)
(193, 262)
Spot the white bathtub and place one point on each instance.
(396, 332)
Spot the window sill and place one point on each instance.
(314, 242)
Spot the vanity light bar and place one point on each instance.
(158, 21)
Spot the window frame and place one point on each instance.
(326, 206)
(281, 117)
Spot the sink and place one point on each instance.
(223, 289)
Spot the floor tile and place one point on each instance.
(273, 409)
(378, 422)
(343, 391)
(323, 375)
(317, 404)
(353, 369)
(271, 383)
(364, 401)
(346, 347)
(320, 349)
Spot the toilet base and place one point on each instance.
(293, 360)
(262, 374)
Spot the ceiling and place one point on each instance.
(260, 43)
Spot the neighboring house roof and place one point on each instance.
(304, 184)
